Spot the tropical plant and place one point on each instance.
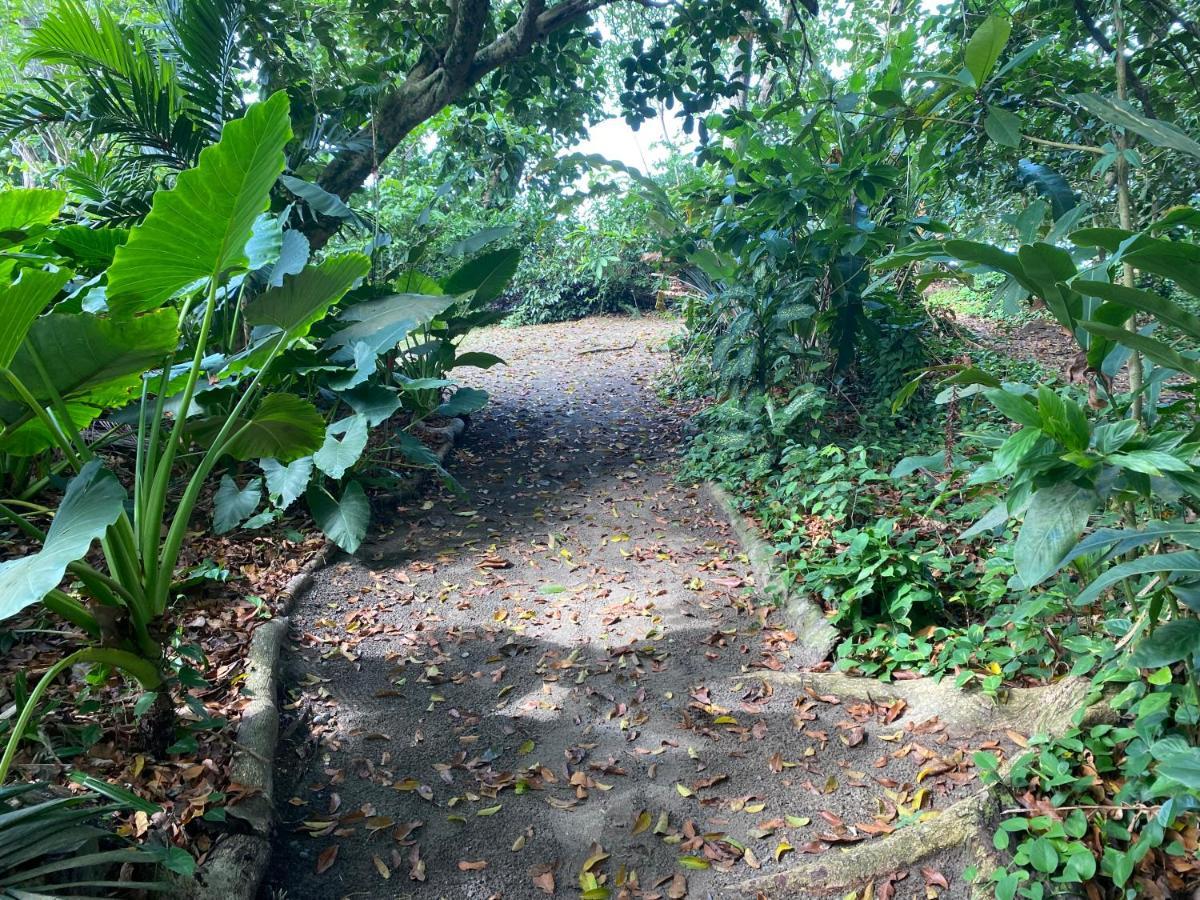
(64, 846)
(199, 238)
(155, 97)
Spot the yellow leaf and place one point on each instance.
(489, 811)
(684, 791)
(693, 862)
(642, 822)
(663, 824)
(784, 847)
(599, 855)
(381, 867)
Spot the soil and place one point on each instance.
(546, 685)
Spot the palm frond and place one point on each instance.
(203, 40)
(69, 35)
(108, 190)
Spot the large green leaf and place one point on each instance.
(1120, 113)
(21, 303)
(286, 483)
(374, 402)
(303, 299)
(477, 358)
(337, 455)
(1184, 562)
(1108, 238)
(33, 437)
(24, 208)
(199, 229)
(1170, 642)
(1015, 407)
(985, 46)
(463, 402)
(93, 501)
(1056, 517)
(91, 248)
(1183, 767)
(359, 369)
(233, 505)
(1177, 260)
(1149, 347)
(343, 521)
(1160, 307)
(487, 275)
(1100, 348)
(1002, 126)
(992, 257)
(91, 358)
(385, 322)
(283, 427)
(1047, 267)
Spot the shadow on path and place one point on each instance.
(554, 674)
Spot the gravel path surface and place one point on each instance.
(546, 686)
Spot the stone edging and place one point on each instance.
(236, 866)
(969, 823)
(815, 637)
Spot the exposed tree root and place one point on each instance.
(1045, 709)
(968, 823)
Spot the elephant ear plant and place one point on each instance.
(162, 289)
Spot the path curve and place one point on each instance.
(543, 672)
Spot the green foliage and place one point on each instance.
(51, 840)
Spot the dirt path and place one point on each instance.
(534, 689)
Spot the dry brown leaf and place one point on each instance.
(326, 859)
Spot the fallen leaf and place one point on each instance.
(543, 878)
(326, 859)
(642, 822)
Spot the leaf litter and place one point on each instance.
(559, 692)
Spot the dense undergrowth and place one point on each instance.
(242, 242)
(883, 519)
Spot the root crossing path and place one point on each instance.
(551, 684)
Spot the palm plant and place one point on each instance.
(199, 239)
(155, 98)
(56, 846)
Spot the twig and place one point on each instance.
(606, 349)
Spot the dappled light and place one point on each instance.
(608, 449)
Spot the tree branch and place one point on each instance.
(1089, 23)
(437, 80)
